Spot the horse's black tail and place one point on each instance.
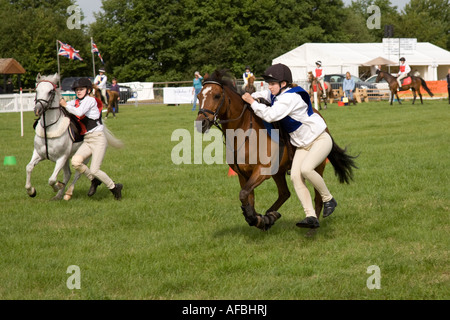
(424, 85)
(342, 162)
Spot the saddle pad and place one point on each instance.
(54, 131)
(315, 87)
(406, 81)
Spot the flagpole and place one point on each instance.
(57, 55)
(93, 60)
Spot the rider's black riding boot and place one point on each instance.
(117, 191)
(94, 184)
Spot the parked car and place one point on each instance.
(380, 85)
(336, 81)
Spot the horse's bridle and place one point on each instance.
(49, 102)
(215, 114)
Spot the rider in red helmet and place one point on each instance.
(291, 106)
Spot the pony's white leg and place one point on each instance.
(60, 186)
(58, 166)
(35, 159)
(69, 192)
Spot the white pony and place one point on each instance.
(52, 140)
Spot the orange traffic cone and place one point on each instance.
(231, 172)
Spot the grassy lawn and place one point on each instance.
(179, 233)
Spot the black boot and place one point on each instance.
(328, 207)
(94, 184)
(309, 222)
(117, 191)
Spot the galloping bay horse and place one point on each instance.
(222, 106)
(315, 85)
(414, 85)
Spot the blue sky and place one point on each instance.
(91, 6)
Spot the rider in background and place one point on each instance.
(94, 144)
(320, 76)
(246, 75)
(403, 72)
(291, 106)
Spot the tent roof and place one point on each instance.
(358, 54)
(10, 66)
(379, 61)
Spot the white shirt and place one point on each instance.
(88, 107)
(100, 81)
(291, 104)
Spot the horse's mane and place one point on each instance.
(224, 78)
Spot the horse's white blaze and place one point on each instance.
(205, 93)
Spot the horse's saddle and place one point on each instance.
(320, 87)
(406, 81)
(69, 123)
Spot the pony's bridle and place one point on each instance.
(215, 114)
(48, 103)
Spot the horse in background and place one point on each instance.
(314, 85)
(414, 84)
(113, 99)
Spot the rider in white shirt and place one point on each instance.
(100, 82)
(404, 70)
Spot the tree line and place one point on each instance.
(150, 40)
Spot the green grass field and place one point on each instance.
(179, 232)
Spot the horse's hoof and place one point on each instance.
(33, 193)
(67, 197)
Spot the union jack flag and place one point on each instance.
(68, 51)
(95, 49)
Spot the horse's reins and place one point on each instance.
(48, 102)
(218, 123)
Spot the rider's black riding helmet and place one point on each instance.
(82, 83)
(278, 73)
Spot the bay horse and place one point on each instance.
(52, 140)
(315, 85)
(221, 105)
(416, 83)
(112, 100)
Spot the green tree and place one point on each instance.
(32, 28)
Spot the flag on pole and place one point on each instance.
(95, 50)
(68, 51)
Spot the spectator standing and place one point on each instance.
(197, 82)
(348, 86)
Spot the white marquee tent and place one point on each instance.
(431, 61)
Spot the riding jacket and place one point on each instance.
(319, 73)
(88, 112)
(292, 107)
(404, 69)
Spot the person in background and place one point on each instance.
(197, 83)
(320, 76)
(404, 70)
(100, 82)
(246, 75)
(348, 86)
(9, 86)
(112, 106)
